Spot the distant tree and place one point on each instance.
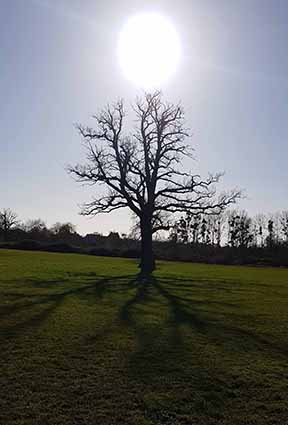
(211, 230)
(233, 228)
(205, 231)
(34, 225)
(284, 225)
(182, 229)
(8, 220)
(240, 229)
(277, 227)
(186, 229)
(271, 235)
(63, 231)
(143, 170)
(114, 236)
(219, 227)
(36, 228)
(260, 225)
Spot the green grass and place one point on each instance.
(83, 343)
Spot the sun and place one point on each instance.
(148, 50)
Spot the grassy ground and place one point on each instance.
(83, 343)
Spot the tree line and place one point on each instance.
(232, 228)
(12, 228)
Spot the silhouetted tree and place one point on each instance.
(63, 228)
(207, 229)
(260, 226)
(8, 220)
(271, 234)
(64, 232)
(240, 229)
(143, 171)
(182, 229)
(284, 225)
(36, 229)
(210, 225)
(276, 217)
(204, 231)
(219, 227)
(188, 228)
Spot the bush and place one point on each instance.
(27, 245)
(102, 252)
(131, 253)
(61, 247)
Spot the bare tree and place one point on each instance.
(34, 226)
(240, 229)
(63, 229)
(219, 224)
(8, 220)
(284, 225)
(259, 222)
(35, 229)
(143, 171)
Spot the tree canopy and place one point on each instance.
(143, 170)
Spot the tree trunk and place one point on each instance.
(147, 264)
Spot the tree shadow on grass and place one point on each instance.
(33, 321)
(36, 308)
(198, 315)
(166, 358)
(178, 361)
(201, 317)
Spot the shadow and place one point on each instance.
(33, 322)
(143, 289)
(201, 316)
(207, 323)
(159, 348)
(165, 338)
(48, 303)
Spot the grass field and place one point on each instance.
(83, 343)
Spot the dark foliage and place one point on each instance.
(60, 247)
(131, 253)
(26, 245)
(102, 252)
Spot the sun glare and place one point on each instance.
(148, 50)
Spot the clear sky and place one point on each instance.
(58, 66)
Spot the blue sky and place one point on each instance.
(58, 66)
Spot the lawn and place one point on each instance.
(82, 342)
